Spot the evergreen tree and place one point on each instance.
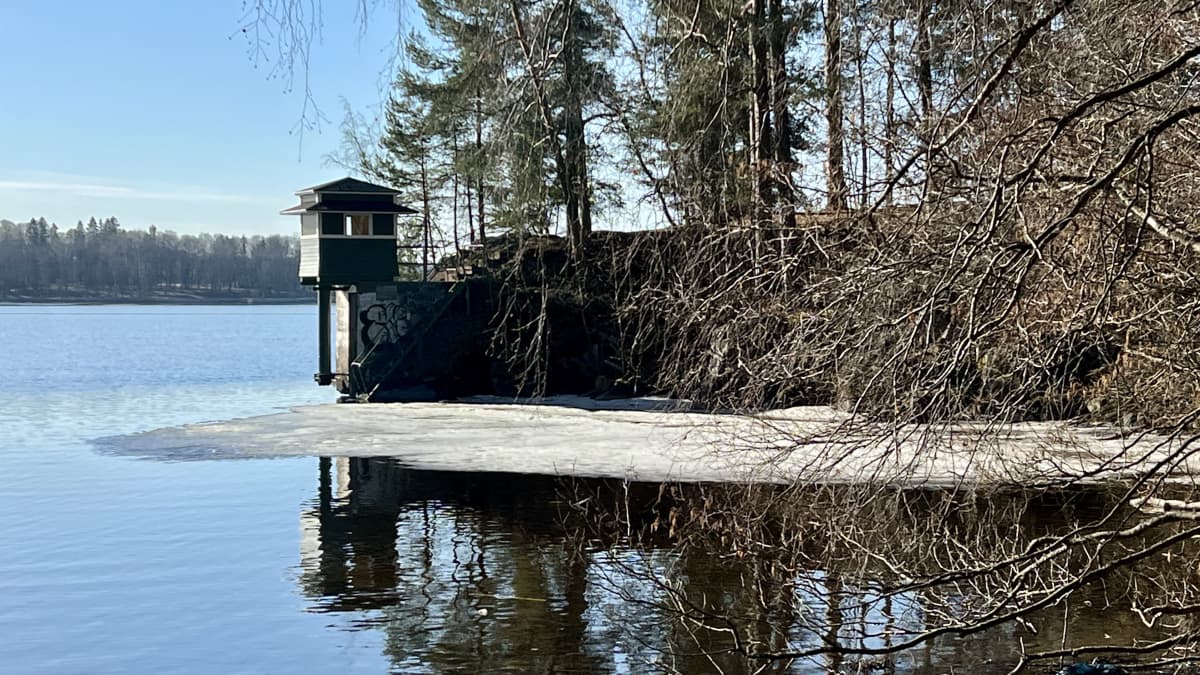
(493, 134)
(409, 162)
(720, 112)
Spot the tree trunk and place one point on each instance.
(781, 115)
(425, 221)
(889, 121)
(860, 56)
(760, 124)
(456, 202)
(478, 160)
(579, 217)
(924, 54)
(835, 170)
(469, 188)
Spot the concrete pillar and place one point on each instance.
(324, 376)
(346, 337)
(352, 342)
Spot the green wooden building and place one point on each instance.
(347, 233)
(348, 246)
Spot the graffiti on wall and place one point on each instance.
(384, 323)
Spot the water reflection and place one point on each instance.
(496, 572)
(462, 573)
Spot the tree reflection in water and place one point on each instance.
(494, 572)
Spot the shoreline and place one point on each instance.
(155, 300)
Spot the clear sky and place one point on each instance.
(155, 111)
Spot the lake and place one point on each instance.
(113, 564)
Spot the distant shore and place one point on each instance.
(157, 297)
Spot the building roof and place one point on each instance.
(349, 185)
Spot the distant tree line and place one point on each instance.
(38, 257)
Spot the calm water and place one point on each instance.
(112, 564)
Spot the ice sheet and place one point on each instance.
(659, 440)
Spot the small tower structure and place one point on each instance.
(347, 245)
(347, 233)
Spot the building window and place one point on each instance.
(358, 224)
(333, 223)
(309, 224)
(384, 224)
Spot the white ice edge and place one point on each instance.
(652, 440)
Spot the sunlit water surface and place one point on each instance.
(117, 565)
(111, 565)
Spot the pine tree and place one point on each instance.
(494, 134)
(722, 117)
(408, 162)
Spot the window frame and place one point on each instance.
(344, 218)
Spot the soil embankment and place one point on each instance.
(882, 313)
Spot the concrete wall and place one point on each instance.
(391, 313)
(411, 340)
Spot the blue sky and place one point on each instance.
(156, 112)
